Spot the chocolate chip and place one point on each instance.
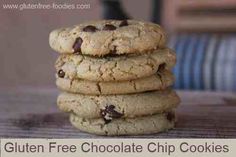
(161, 67)
(109, 113)
(77, 45)
(123, 23)
(170, 116)
(109, 27)
(90, 28)
(61, 73)
(114, 114)
(112, 53)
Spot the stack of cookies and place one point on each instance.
(115, 77)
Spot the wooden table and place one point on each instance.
(31, 112)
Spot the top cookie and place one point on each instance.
(99, 38)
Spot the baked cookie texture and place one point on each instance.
(159, 81)
(131, 105)
(126, 126)
(99, 38)
(115, 77)
(115, 68)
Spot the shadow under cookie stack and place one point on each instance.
(115, 77)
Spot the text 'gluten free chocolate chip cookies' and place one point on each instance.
(115, 77)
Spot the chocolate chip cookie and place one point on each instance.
(158, 81)
(108, 37)
(126, 126)
(130, 105)
(123, 68)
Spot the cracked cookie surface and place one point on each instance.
(125, 67)
(126, 126)
(99, 38)
(130, 105)
(158, 81)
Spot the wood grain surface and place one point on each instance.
(29, 112)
